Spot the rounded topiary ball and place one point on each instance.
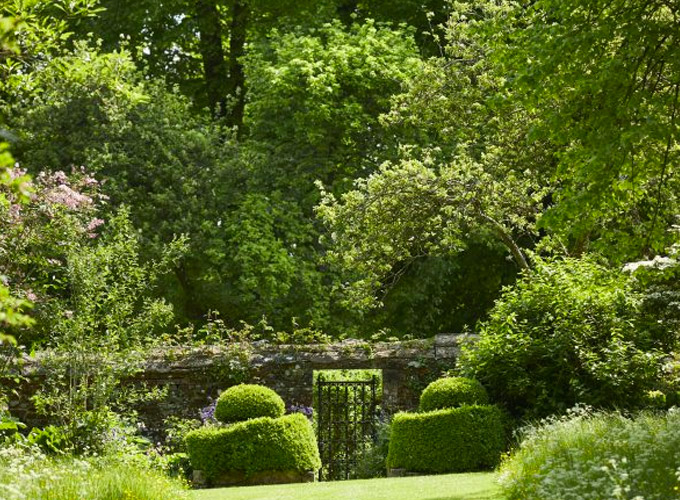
(246, 401)
(451, 392)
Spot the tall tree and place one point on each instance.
(215, 71)
(240, 15)
(197, 44)
(602, 79)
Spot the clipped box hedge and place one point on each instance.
(451, 392)
(262, 444)
(453, 440)
(245, 401)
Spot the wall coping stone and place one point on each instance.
(352, 351)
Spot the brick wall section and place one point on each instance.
(193, 376)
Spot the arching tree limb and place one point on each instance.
(516, 251)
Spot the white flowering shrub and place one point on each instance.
(596, 456)
(27, 474)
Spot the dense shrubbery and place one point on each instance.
(591, 457)
(451, 440)
(565, 334)
(660, 307)
(414, 185)
(262, 444)
(246, 401)
(450, 392)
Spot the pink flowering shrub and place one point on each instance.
(41, 221)
(96, 306)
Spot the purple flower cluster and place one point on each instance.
(208, 413)
(307, 411)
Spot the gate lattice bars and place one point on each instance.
(346, 417)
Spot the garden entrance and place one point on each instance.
(346, 412)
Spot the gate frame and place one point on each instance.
(325, 429)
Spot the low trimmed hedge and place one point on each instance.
(453, 440)
(451, 392)
(262, 444)
(246, 401)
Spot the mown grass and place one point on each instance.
(473, 486)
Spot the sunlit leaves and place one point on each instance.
(409, 210)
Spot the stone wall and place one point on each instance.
(193, 377)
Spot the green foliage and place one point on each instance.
(178, 173)
(464, 179)
(10, 427)
(351, 374)
(265, 268)
(175, 430)
(261, 444)
(87, 95)
(95, 309)
(590, 457)
(657, 283)
(32, 31)
(442, 293)
(14, 190)
(595, 76)
(411, 209)
(246, 401)
(50, 439)
(451, 392)
(656, 399)
(110, 301)
(564, 334)
(27, 473)
(156, 157)
(372, 462)
(176, 465)
(12, 314)
(165, 35)
(356, 394)
(314, 94)
(100, 330)
(427, 18)
(554, 119)
(453, 440)
(511, 89)
(173, 169)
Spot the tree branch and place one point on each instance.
(507, 240)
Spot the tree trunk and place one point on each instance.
(212, 53)
(237, 41)
(192, 309)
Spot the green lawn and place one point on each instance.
(476, 486)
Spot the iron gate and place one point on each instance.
(346, 414)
